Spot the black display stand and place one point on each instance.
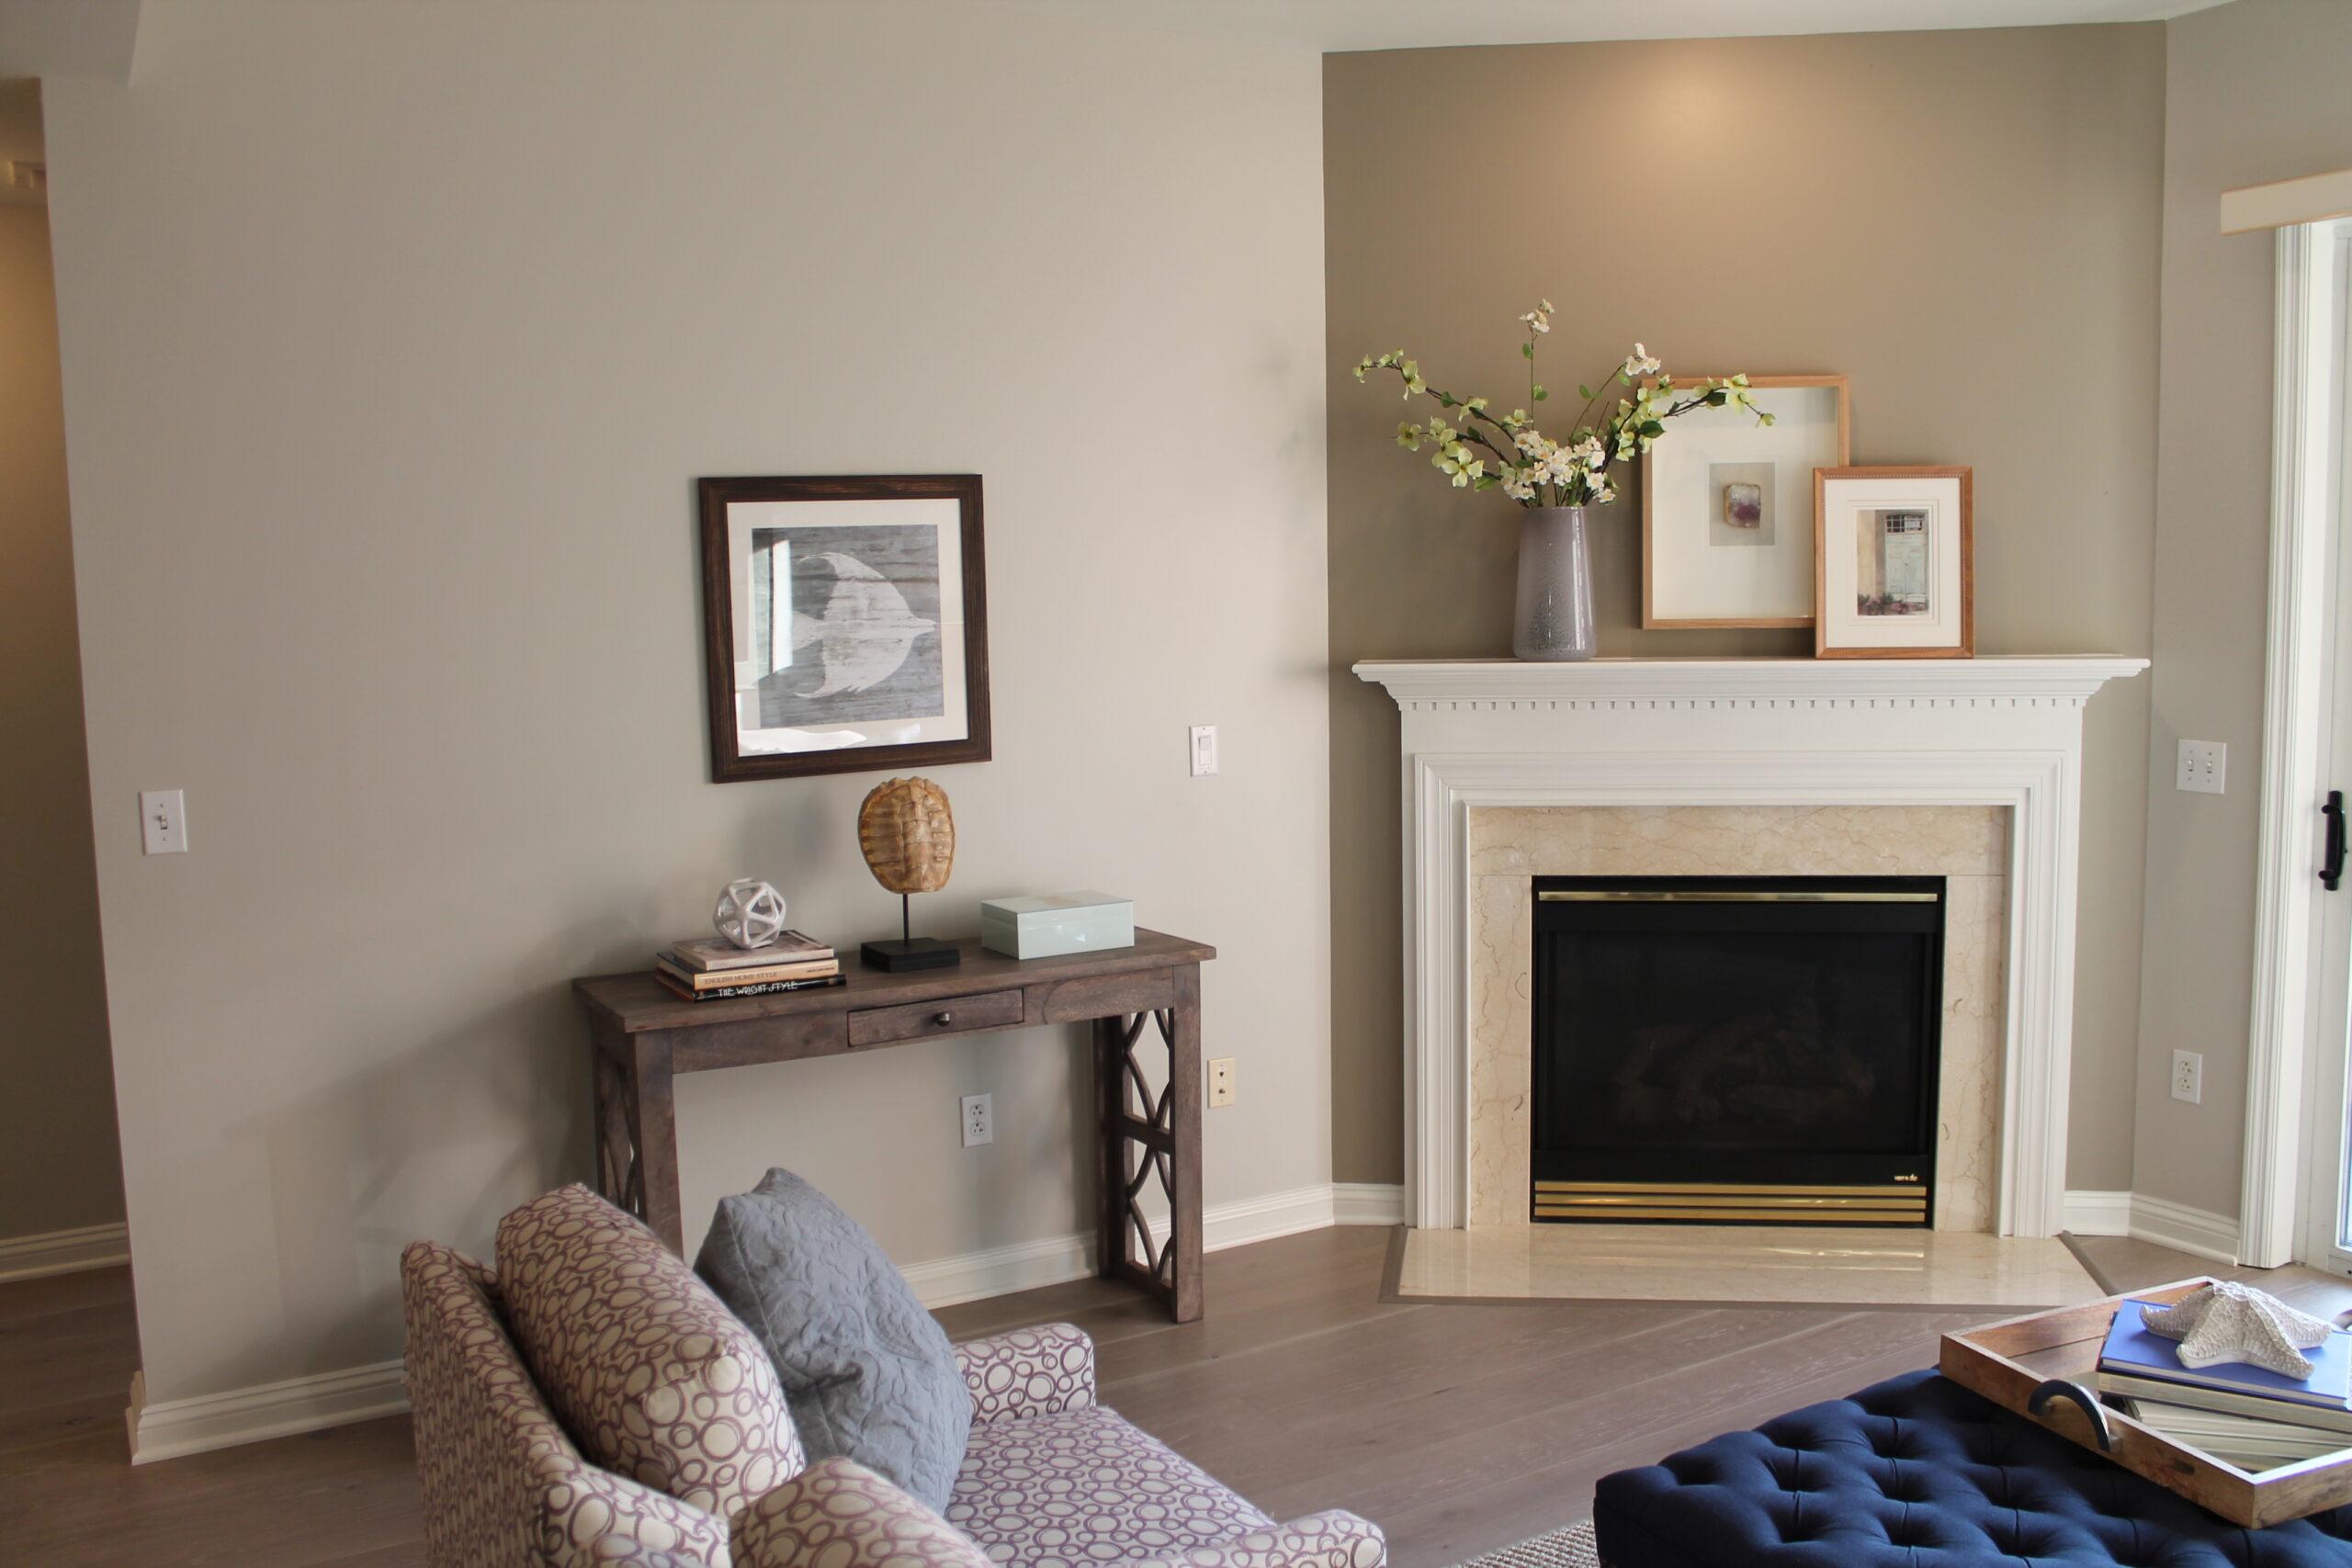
(909, 951)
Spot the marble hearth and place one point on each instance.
(1968, 769)
(1510, 845)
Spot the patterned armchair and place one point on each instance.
(1050, 1479)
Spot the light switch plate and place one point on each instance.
(1204, 750)
(2204, 766)
(162, 822)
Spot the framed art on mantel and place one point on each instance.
(1727, 503)
(1896, 548)
(844, 624)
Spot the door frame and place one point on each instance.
(2282, 1072)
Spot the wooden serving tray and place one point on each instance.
(2009, 1362)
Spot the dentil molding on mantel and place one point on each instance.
(2069, 678)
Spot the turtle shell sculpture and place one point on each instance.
(908, 835)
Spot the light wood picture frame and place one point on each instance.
(1894, 562)
(1715, 460)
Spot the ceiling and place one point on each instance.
(1343, 26)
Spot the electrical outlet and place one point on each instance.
(979, 1121)
(2204, 765)
(1221, 1081)
(1204, 750)
(162, 822)
(2188, 1076)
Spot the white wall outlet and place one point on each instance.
(1221, 1081)
(162, 822)
(2204, 765)
(979, 1121)
(1204, 750)
(2188, 1076)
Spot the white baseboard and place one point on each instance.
(1025, 1266)
(2091, 1212)
(63, 1252)
(361, 1393)
(1368, 1204)
(2159, 1220)
(2183, 1229)
(178, 1426)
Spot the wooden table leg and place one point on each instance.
(1110, 1041)
(657, 1138)
(619, 1179)
(1184, 1124)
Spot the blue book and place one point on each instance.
(2134, 1350)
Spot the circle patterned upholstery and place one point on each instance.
(1918, 1472)
(648, 1368)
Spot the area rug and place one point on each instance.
(1569, 1548)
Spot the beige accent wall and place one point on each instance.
(1965, 223)
(395, 338)
(2255, 92)
(58, 1167)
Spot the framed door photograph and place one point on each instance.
(846, 624)
(1727, 507)
(1896, 548)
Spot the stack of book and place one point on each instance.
(707, 969)
(2249, 1416)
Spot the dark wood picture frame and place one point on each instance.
(1966, 477)
(728, 764)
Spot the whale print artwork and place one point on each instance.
(846, 624)
(851, 623)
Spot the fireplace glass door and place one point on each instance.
(1730, 1050)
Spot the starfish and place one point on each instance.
(2230, 1322)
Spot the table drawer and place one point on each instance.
(948, 1015)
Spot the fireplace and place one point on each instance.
(1735, 1050)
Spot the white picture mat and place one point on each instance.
(1693, 578)
(943, 513)
(1842, 625)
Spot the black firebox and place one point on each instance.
(1728, 1049)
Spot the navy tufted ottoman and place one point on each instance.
(1918, 1472)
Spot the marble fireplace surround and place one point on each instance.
(1997, 734)
(1512, 845)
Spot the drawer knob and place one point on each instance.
(944, 1019)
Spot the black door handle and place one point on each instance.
(2331, 866)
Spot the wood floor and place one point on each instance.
(1458, 1427)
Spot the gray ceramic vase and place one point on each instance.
(1554, 619)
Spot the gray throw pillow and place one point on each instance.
(869, 1374)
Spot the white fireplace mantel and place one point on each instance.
(2004, 732)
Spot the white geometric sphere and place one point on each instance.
(749, 913)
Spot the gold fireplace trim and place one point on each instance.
(1893, 1204)
(1650, 896)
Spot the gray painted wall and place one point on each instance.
(58, 1167)
(2255, 90)
(394, 340)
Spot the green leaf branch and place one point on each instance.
(1530, 466)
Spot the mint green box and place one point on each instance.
(1048, 924)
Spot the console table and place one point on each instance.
(643, 1035)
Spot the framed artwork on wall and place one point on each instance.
(844, 624)
(1896, 553)
(1726, 503)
